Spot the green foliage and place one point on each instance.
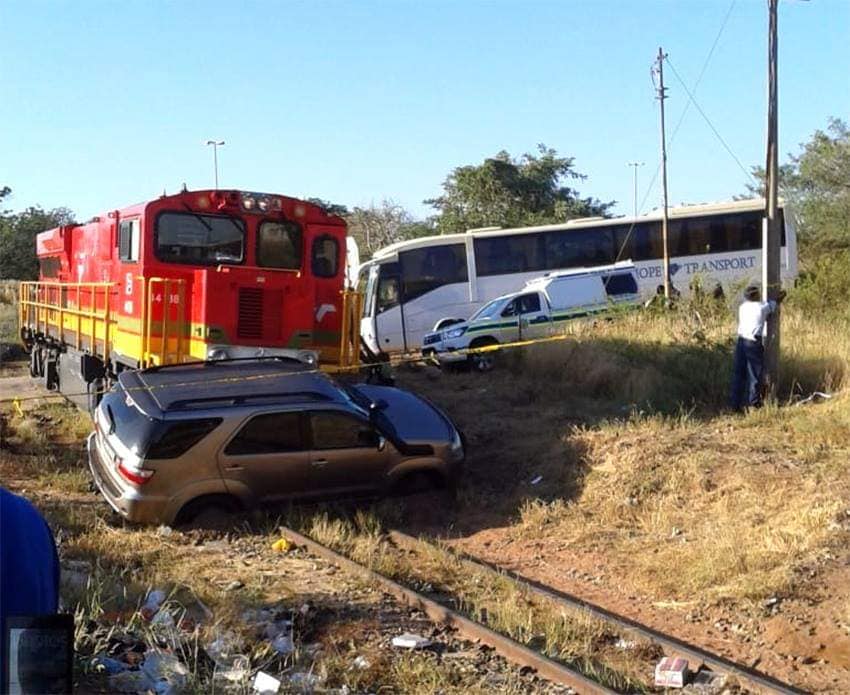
(17, 238)
(816, 183)
(380, 225)
(513, 192)
(823, 288)
(329, 207)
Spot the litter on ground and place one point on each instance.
(671, 672)
(264, 684)
(410, 641)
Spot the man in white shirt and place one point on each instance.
(749, 350)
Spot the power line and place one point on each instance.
(703, 69)
(681, 119)
(708, 121)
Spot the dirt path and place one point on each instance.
(803, 642)
(16, 382)
(521, 448)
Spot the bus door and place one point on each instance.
(389, 316)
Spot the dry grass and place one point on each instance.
(8, 324)
(123, 563)
(688, 501)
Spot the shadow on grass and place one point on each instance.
(519, 419)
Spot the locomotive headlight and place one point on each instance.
(249, 202)
(263, 204)
(277, 204)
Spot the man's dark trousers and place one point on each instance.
(746, 374)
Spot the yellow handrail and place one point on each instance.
(169, 329)
(349, 347)
(45, 306)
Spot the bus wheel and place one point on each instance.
(483, 361)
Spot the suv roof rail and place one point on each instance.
(254, 399)
(258, 358)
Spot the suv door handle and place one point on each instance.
(234, 468)
(319, 462)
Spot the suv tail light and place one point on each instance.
(137, 476)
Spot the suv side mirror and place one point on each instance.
(367, 437)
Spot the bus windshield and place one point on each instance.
(186, 237)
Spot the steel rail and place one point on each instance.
(757, 680)
(505, 646)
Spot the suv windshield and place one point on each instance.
(185, 237)
(488, 311)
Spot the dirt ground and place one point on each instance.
(219, 584)
(517, 452)
(800, 636)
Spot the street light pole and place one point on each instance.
(216, 144)
(635, 166)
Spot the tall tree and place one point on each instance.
(17, 239)
(816, 184)
(510, 192)
(329, 207)
(386, 223)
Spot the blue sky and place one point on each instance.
(108, 103)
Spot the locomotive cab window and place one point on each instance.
(325, 257)
(128, 240)
(49, 266)
(199, 239)
(279, 245)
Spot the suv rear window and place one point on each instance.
(151, 438)
(174, 439)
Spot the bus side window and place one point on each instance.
(426, 269)
(639, 242)
(388, 295)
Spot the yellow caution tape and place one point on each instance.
(404, 359)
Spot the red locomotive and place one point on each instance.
(194, 276)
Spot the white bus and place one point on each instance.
(411, 285)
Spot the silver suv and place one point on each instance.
(173, 442)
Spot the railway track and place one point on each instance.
(505, 646)
(524, 656)
(751, 678)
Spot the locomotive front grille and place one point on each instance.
(250, 315)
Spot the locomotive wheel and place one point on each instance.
(95, 393)
(35, 351)
(50, 372)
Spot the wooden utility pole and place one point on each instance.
(772, 232)
(661, 97)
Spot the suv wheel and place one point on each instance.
(418, 483)
(208, 512)
(483, 361)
